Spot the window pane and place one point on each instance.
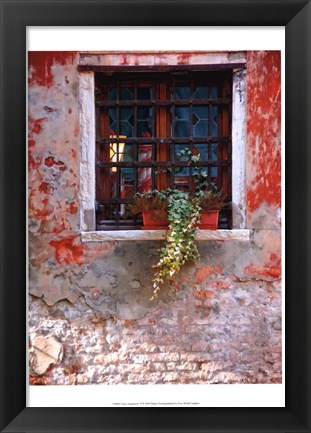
(144, 173)
(202, 149)
(214, 92)
(214, 132)
(144, 93)
(214, 157)
(127, 182)
(128, 153)
(126, 122)
(182, 92)
(144, 121)
(182, 122)
(112, 94)
(200, 121)
(112, 112)
(201, 93)
(126, 93)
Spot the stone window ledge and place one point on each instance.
(155, 235)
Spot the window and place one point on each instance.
(147, 125)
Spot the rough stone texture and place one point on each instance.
(221, 323)
(45, 351)
(220, 331)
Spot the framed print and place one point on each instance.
(114, 322)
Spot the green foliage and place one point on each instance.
(180, 246)
(183, 212)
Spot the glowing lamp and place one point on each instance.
(116, 150)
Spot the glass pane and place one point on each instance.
(214, 92)
(126, 93)
(181, 178)
(144, 93)
(112, 94)
(201, 93)
(182, 122)
(127, 182)
(128, 153)
(214, 151)
(182, 92)
(202, 149)
(112, 112)
(182, 152)
(200, 121)
(214, 156)
(144, 121)
(144, 173)
(214, 132)
(126, 122)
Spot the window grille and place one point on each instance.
(147, 125)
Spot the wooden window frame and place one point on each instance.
(163, 104)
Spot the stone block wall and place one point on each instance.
(90, 301)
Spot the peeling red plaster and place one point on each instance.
(264, 128)
(31, 143)
(203, 273)
(269, 271)
(72, 208)
(46, 188)
(32, 163)
(41, 62)
(204, 293)
(183, 59)
(272, 269)
(50, 162)
(68, 251)
(35, 125)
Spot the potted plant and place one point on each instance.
(211, 201)
(153, 207)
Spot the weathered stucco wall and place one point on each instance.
(91, 301)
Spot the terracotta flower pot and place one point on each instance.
(153, 221)
(209, 219)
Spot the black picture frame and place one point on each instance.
(16, 15)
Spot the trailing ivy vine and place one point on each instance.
(180, 246)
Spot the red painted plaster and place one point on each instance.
(32, 163)
(72, 208)
(35, 125)
(31, 143)
(271, 269)
(68, 251)
(50, 162)
(263, 128)
(183, 58)
(204, 294)
(265, 271)
(46, 188)
(203, 273)
(40, 63)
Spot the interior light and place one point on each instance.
(116, 150)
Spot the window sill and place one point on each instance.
(154, 235)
